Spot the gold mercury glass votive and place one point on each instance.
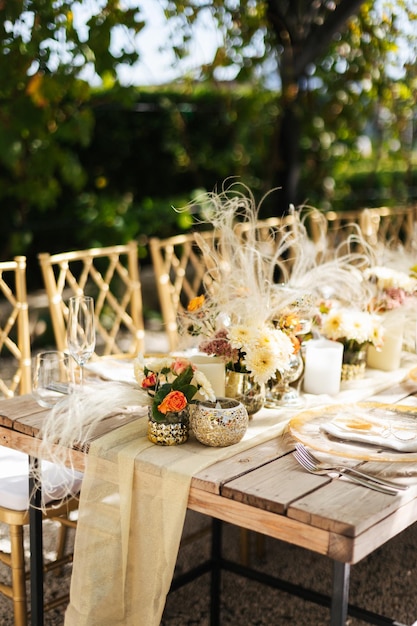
(220, 423)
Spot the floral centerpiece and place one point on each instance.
(258, 348)
(253, 350)
(394, 299)
(254, 273)
(171, 384)
(355, 330)
(394, 289)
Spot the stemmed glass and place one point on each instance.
(81, 337)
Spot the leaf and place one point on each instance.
(183, 379)
(189, 392)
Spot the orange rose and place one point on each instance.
(195, 303)
(173, 402)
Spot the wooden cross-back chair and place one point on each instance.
(15, 378)
(389, 226)
(14, 327)
(180, 274)
(269, 235)
(111, 276)
(333, 229)
(182, 270)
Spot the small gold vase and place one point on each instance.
(174, 429)
(242, 387)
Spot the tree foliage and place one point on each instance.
(44, 99)
(333, 60)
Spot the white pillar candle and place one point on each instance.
(323, 366)
(389, 357)
(214, 370)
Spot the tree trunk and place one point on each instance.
(288, 172)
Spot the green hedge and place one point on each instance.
(159, 151)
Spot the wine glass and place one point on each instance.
(81, 337)
(52, 378)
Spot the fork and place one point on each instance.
(313, 465)
(316, 464)
(350, 477)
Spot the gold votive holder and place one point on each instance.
(220, 423)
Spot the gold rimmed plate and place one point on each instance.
(368, 431)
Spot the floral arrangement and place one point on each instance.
(260, 348)
(259, 284)
(171, 384)
(394, 288)
(353, 328)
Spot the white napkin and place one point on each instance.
(394, 430)
(120, 371)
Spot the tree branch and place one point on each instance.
(321, 36)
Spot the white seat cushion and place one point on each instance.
(14, 480)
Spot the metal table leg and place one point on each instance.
(36, 548)
(340, 593)
(216, 568)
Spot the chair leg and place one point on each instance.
(18, 575)
(62, 540)
(244, 546)
(260, 546)
(245, 541)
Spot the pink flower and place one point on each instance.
(220, 346)
(180, 365)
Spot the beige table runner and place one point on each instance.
(132, 510)
(131, 518)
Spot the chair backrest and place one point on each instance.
(269, 235)
(111, 276)
(14, 329)
(390, 226)
(183, 270)
(180, 273)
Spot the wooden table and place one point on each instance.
(265, 490)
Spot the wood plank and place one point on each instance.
(17, 408)
(30, 424)
(108, 424)
(30, 445)
(274, 486)
(265, 522)
(23, 414)
(213, 477)
(347, 509)
(385, 530)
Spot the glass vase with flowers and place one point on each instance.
(279, 392)
(253, 353)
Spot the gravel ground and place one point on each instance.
(384, 582)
